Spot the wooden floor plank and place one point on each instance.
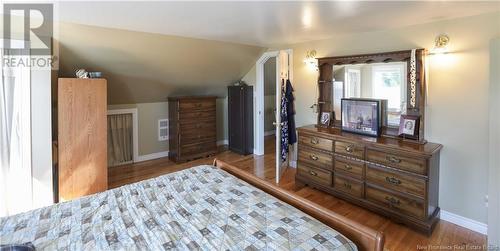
(398, 237)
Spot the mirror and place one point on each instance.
(375, 81)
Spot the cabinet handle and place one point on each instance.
(313, 173)
(313, 157)
(348, 167)
(392, 180)
(392, 200)
(314, 141)
(347, 185)
(393, 159)
(349, 148)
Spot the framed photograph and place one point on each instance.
(408, 126)
(325, 119)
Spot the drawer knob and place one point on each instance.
(347, 185)
(393, 180)
(392, 200)
(393, 159)
(349, 148)
(313, 157)
(313, 173)
(348, 167)
(314, 141)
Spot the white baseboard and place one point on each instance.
(269, 133)
(471, 224)
(152, 156)
(222, 142)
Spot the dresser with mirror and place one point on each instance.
(391, 173)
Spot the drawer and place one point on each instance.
(317, 175)
(196, 126)
(198, 104)
(316, 158)
(396, 181)
(316, 142)
(350, 149)
(198, 148)
(396, 202)
(348, 186)
(202, 136)
(197, 115)
(393, 159)
(349, 167)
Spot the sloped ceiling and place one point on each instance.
(145, 67)
(266, 23)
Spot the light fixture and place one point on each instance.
(310, 59)
(441, 44)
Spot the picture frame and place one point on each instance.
(409, 126)
(325, 119)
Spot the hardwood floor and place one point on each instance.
(446, 236)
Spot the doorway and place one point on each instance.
(282, 62)
(122, 137)
(269, 103)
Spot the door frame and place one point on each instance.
(259, 95)
(258, 114)
(259, 104)
(135, 130)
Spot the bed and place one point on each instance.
(206, 207)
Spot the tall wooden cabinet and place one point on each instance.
(82, 137)
(240, 110)
(192, 127)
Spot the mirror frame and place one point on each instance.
(416, 84)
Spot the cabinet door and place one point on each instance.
(235, 110)
(82, 137)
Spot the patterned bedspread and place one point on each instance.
(201, 208)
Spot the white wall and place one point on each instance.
(458, 90)
(494, 170)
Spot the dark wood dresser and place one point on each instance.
(389, 176)
(192, 127)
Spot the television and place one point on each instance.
(363, 116)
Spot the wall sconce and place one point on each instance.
(310, 60)
(441, 44)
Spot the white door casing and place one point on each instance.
(284, 71)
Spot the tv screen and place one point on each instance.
(361, 116)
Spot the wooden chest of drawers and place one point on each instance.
(389, 176)
(192, 127)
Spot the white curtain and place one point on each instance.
(15, 137)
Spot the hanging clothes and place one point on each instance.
(284, 122)
(290, 108)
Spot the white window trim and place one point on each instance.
(135, 129)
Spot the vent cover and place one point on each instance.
(162, 129)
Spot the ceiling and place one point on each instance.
(266, 23)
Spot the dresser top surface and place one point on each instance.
(174, 98)
(428, 148)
